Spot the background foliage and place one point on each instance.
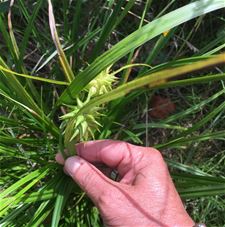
(158, 73)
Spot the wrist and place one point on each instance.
(179, 221)
(176, 216)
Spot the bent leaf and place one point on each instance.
(33, 77)
(62, 57)
(136, 39)
(153, 80)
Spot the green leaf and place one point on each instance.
(200, 191)
(195, 108)
(76, 20)
(186, 168)
(107, 29)
(219, 135)
(41, 214)
(16, 199)
(20, 95)
(23, 181)
(4, 6)
(28, 30)
(152, 80)
(62, 197)
(192, 81)
(181, 138)
(137, 39)
(159, 125)
(192, 186)
(6, 221)
(10, 72)
(35, 196)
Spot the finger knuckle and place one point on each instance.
(87, 181)
(156, 154)
(106, 197)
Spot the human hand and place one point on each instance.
(145, 194)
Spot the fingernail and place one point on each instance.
(59, 158)
(72, 164)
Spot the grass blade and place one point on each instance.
(7, 221)
(62, 57)
(29, 30)
(191, 81)
(200, 191)
(4, 6)
(41, 214)
(135, 40)
(107, 29)
(62, 197)
(33, 77)
(152, 80)
(219, 135)
(23, 181)
(194, 108)
(23, 97)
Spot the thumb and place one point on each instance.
(88, 177)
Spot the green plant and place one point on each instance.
(41, 115)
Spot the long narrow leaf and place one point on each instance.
(23, 97)
(23, 181)
(33, 77)
(62, 197)
(107, 29)
(135, 40)
(152, 80)
(62, 57)
(29, 30)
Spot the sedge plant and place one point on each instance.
(65, 79)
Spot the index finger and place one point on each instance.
(115, 154)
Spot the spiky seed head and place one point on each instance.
(102, 83)
(80, 126)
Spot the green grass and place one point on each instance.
(58, 87)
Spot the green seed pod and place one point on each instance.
(101, 84)
(82, 126)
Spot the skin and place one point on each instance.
(144, 195)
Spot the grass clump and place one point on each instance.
(88, 70)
